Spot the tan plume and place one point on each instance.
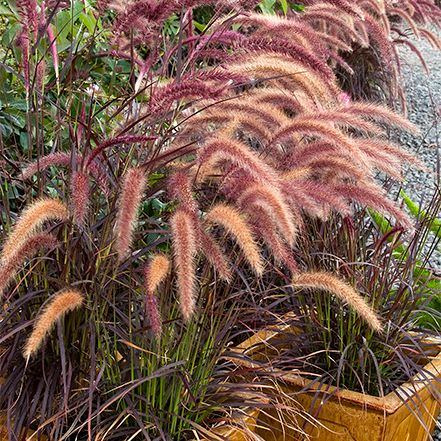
(60, 304)
(328, 282)
(32, 218)
(232, 221)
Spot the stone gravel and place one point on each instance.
(423, 93)
(423, 96)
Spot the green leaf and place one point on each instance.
(434, 223)
(89, 21)
(199, 26)
(24, 140)
(5, 11)
(267, 6)
(5, 130)
(284, 6)
(298, 7)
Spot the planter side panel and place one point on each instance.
(337, 421)
(404, 425)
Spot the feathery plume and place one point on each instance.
(308, 126)
(263, 226)
(27, 249)
(328, 282)
(59, 305)
(240, 155)
(180, 186)
(57, 158)
(53, 48)
(27, 10)
(373, 196)
(154, 274)
(129, 139)
(80, 195)
(30, 221)
(290, 74)
(377, 146)
(272, 201)
(214, 254)
(133, 187)
(380, 113)
(232, 221)
(64, 159)
(184, 246)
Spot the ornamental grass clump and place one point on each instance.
(180, 170)
(389, 282)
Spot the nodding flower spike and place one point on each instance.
(328, 282)
(26, 249)
(132, 191)
(80, 196)
(155, 273)
(30, 221)
(184, 247)
(59, 305)
(234, 223)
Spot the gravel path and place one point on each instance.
(423, 92)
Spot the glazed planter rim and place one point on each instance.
(389, 403)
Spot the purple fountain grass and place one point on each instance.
(431, 38)
(332, 17)
(79, 197)
(126, 139)
(337, 165)
(27, 10)
(346, 6)
(53, 48)
(345, 119)
(379, 113)
(32, 218)
(271, 200)
(233, 222)
(287, 74)
(262, 224)
(214, 254)
(184, 249)
(179, 186)
(64, 159)
(42, 163)
(12, 262)
(305, 125)
(155, 273)
(190, 88)
(328, 282)
(378, 146)
(47, 27)
(132, 190)
(316, 198)
(373, 196)
(292, 50)
(59, 305)
(239, 154)
(23, 43)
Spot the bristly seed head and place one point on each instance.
(59, 305)
(184, 247)
(32, 218)
(328, 282)
(132, 191)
